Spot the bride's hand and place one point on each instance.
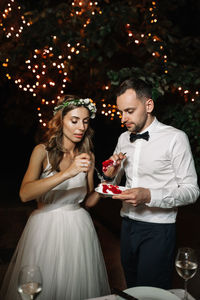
(81, 163)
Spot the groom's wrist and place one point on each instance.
(107, 178)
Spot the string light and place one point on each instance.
(48, 72)
(188, 95)
(43, 65)
(140, 38)
(81, 7)
(11, 28)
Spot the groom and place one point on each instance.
(160, 177)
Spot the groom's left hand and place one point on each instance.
(135, 196)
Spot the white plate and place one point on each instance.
(150, 293)
(99, 189)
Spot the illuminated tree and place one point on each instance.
(87, 47)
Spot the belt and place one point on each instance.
(52, 208)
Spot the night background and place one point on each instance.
(48, 48)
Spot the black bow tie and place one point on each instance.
(134, 136)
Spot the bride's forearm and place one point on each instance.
(92, 199)
(33, 189)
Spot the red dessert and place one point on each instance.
(106, 164)
(113, 188)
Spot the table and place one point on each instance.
(178, 292)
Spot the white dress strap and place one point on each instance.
(48, 166)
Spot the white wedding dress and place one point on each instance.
(61, 239)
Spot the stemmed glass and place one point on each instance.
(186, 265)
(29, 282)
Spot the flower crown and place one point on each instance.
(78, 102)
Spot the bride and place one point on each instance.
(60, 236)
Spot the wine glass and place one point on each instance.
(29, 282)
(186, 265)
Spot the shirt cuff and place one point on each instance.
(156, 198)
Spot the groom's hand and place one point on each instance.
(135, 196)
(113, 168)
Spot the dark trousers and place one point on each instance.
(147, 253)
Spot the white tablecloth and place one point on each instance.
(109, 297)
(178, 292)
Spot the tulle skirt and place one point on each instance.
(64, 244)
